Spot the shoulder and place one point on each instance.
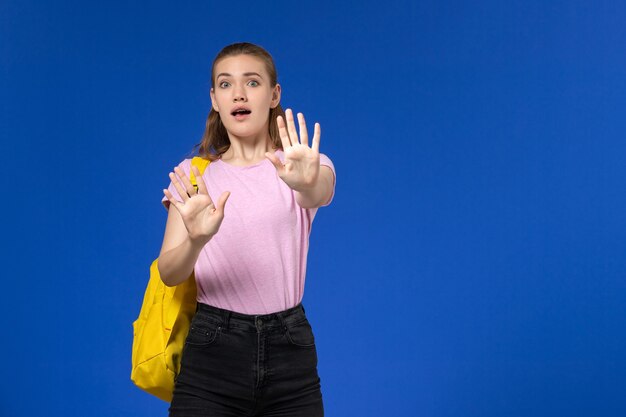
(185, 165)
(325, 160)
(184, 162)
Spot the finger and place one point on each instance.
(186, 182)
(202, 189)
(291, 128)
(275, 161)
(282, 130)
(304, 135)
(181, 190)
(316, 137)
(171, 199)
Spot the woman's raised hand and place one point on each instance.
(202, 219)
(302, 163)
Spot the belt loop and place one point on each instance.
(226, 318)
(282, 320)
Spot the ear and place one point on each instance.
(275, 96)
(214, 101)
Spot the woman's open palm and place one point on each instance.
(302, 163)
(201, 217)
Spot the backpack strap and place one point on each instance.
(201, 163)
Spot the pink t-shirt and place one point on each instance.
(256, 263)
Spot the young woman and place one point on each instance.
(250, 349)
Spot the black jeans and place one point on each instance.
(237, 364)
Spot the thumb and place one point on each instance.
(274, 160)
(221, 203)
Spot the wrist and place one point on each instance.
(198, 242)
(305, 188)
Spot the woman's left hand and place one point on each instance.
(302, 163)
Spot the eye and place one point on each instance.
(222, 84)
(254, 82)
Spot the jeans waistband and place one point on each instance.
(252, 321)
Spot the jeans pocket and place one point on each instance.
(203, 332)
(300, 334)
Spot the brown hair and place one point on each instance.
(215, 139)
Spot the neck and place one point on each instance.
(248, 150)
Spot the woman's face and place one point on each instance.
(242, 82)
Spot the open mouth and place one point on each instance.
(241, 112)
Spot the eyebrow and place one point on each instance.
(245, 74)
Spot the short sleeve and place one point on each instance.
(185, 165)
(325, 160)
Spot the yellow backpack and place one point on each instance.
(160, 331)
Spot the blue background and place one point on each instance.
(472, 262)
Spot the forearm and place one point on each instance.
(315, 195)
(311, 197)
(176, 265)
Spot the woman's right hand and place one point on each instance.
(201, 217)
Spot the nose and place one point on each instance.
(239, 95)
